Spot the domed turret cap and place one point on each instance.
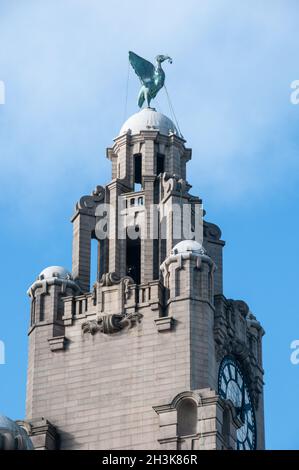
(54, 275)
(186, 246)
(55, 272)
(148, 119)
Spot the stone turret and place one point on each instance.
(46, 294)
(148, 355)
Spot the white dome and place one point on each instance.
(55, 271)
(148, 119)
(188, 245)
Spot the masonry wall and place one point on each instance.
(100, 391)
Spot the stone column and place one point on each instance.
(83, 225)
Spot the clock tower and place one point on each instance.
(149, 354)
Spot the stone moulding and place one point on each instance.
(186, 256)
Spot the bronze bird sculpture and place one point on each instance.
(151, 76)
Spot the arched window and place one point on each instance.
(186, 417)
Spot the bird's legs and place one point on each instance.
(147, 96)
(144, 95)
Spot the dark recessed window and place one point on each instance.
(160, 163)
(138, 168)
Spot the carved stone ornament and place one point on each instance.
(231, 318)
(211, 231)
(174, 184)
(88, 203)
(233, 347)
(110, 279)
(113, 323)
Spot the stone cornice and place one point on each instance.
(128, 139)
(187, 256)
(46, 283)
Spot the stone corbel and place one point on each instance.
(164, 324)
(57, 343)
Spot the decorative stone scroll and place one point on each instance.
(88, 203)
(111, 279)
(109, 324)
(211, 231)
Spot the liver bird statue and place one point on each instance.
(151, 76)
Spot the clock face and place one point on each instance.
(232, 386)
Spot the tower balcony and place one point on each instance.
(134, 201)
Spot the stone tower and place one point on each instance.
(151, 355)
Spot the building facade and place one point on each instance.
(149, 354)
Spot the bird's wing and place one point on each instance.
(143, 68)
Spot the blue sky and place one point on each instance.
(64, 64)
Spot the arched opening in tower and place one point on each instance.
(137, 172)
(186, 418)
(133, 253)
(160, 163)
